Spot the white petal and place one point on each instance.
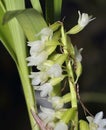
(55, 71)
(101, 128)
(97, 123)
(46, 118)
(31, 60)
(45, 33)
(46, 89)
(102, 124)
(36, 81)
(78, 55)
(36, 60)
(47, 110)
(35, 78)
(41, 57)
(84, 19)
(90, 119)
(38, 77)
(57, 102)
(61, 126)
(98, 117)
(36, 47)
(47, 115)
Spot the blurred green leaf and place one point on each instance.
(49, 11)
(30, 20)
(14, 4)
(36, 5)
(53, 10)
(57, 9)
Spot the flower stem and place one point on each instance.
(70, 77)
(73, 92)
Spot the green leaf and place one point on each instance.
(36, 5)
(30, 20)
(16, 40)
(14, 4)
(49, 11)
(16, 31)
(5, 34)
(53, 10)
(57, 9)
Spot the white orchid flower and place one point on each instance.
(45, 89)
(84, 19)
(78, 55)
(47, 115)
(37, 59)
(38, 77)
(97, 123)
(57, 102)
(46, 34)
(36, 47)
(55, 71)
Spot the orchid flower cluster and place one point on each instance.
(58, 67)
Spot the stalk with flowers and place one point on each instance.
(52, 66)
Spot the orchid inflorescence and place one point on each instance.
(56, 61)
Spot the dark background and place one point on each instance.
(13, 113)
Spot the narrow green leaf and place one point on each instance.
(36, 5)
(15, 29)
(53, 10)
(14, 4)
(49, 11)
(57, 9)
(5, 34)
(30, 20)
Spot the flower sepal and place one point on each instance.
(55, 81)
(69, 115)
(76, 29)
(58, 58)
(57, 102)
(66, 98)
(55, 26)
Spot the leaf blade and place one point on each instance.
(36, 5)
(57, 9)
(30, 20)
(5, 34)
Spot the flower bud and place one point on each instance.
(83, 125)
